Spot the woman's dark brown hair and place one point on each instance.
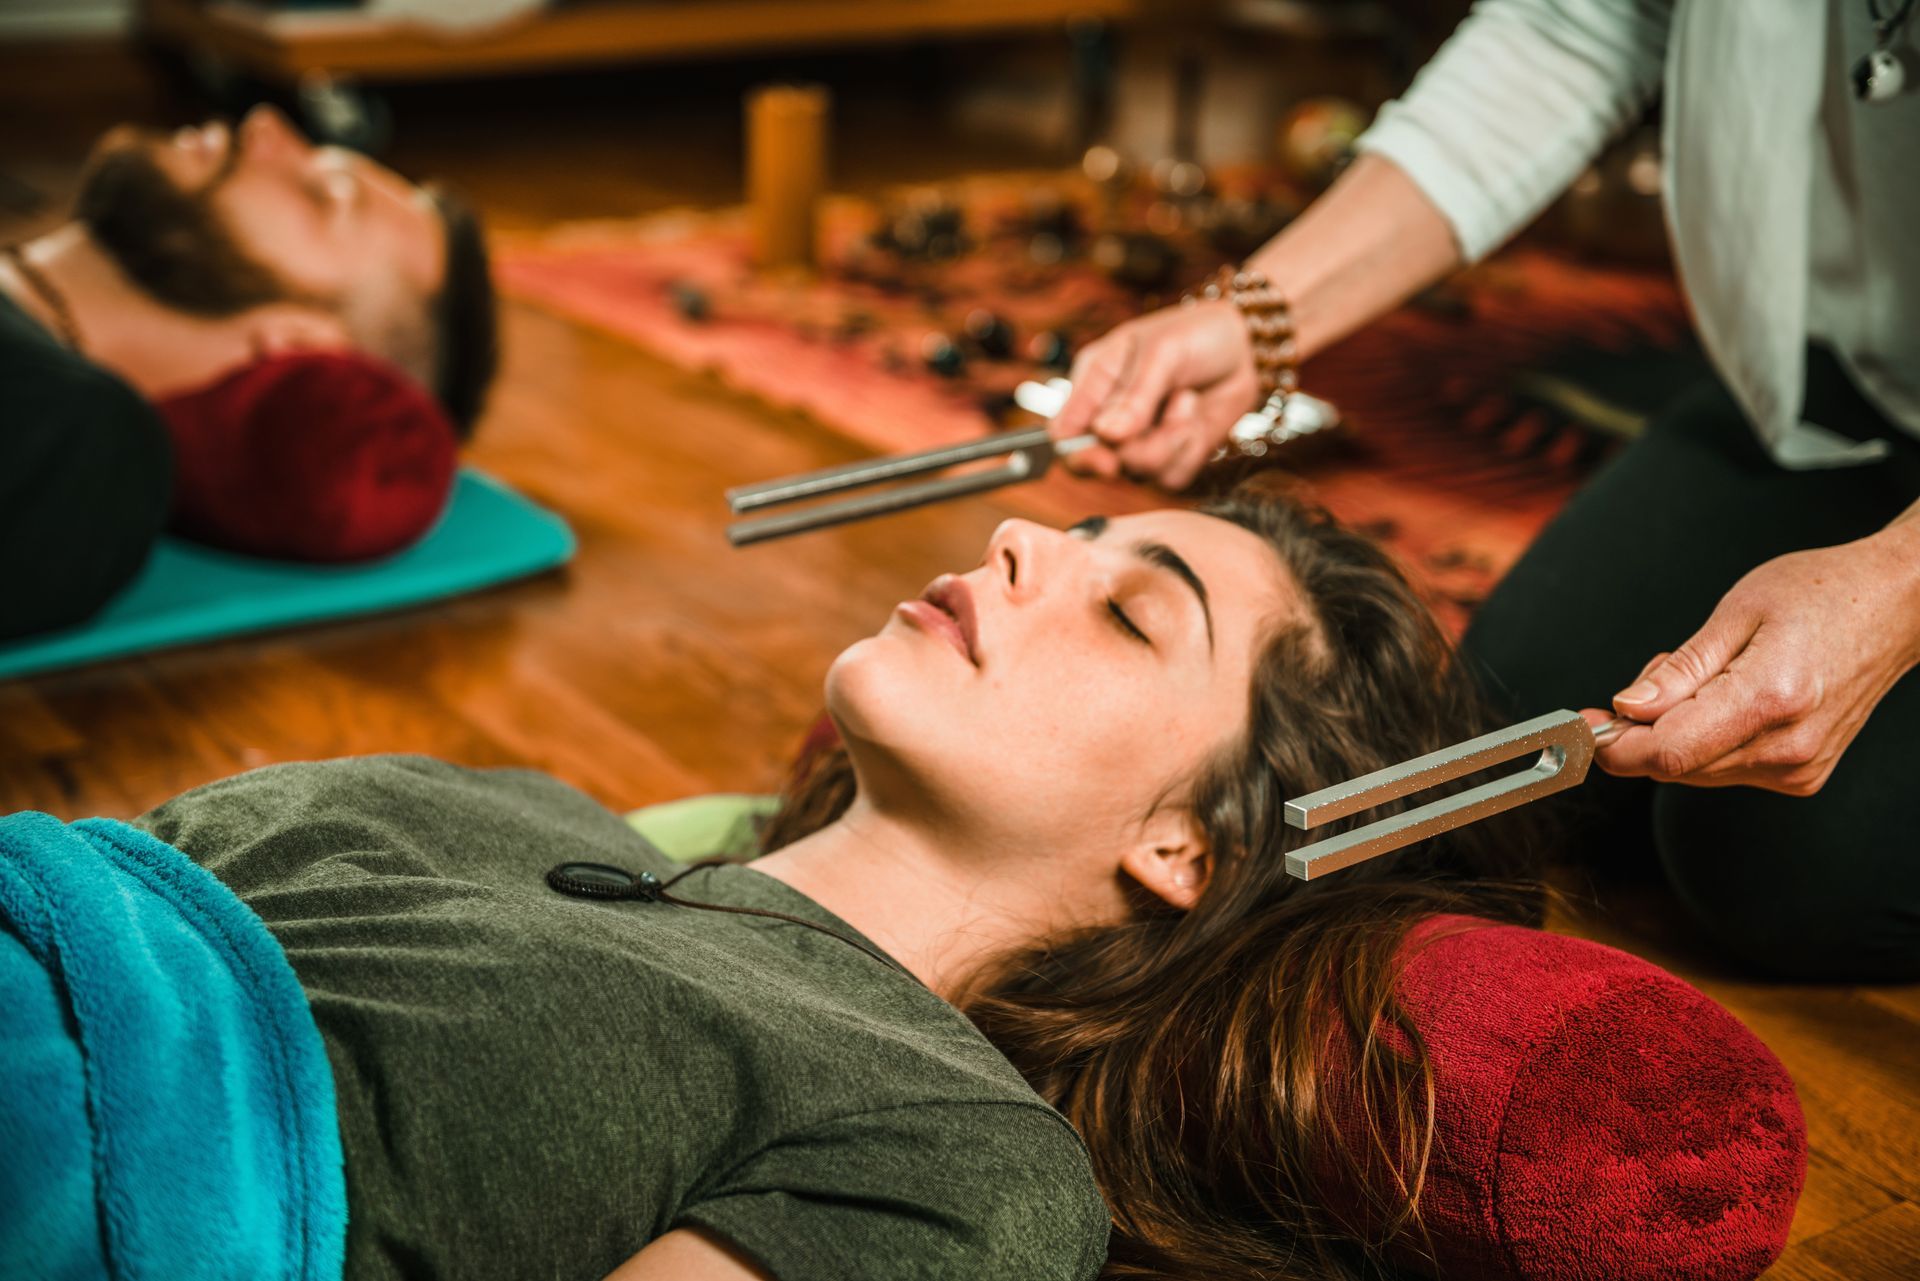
(1191, 1049)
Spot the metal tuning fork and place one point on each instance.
(1563, 744)
(1028, 454)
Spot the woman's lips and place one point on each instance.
(946, 609)
(931, 618)
(951, 595)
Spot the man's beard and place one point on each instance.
(169, 242)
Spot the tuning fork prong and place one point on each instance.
(877, 471)
(1028, 454)
(1562, 744)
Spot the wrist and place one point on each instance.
(1226, 330)
(1896, 552)
(1266, 319)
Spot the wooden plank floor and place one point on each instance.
(664, 663)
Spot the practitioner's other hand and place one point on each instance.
(1773, 689)
(1161, 392)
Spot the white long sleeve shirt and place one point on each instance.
(1794, 209)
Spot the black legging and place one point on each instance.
(1823, 887)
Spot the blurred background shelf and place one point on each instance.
(281, 45)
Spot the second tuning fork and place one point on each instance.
(1028, 454)
(1564, 744)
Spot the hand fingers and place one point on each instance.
(1148, 455)
(1094, 460)
(1793, 754)
(1202, 421)
(1690, 738)
(1597, 717)
(1134, 405)
(1629, 753)
(1096, 372)
(1744, 768)
(1764, 762)
(1194, 452)
(1680, 674)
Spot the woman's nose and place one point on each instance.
(1023, 555)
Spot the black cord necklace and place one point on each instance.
(1885, 24)
(52, 299)
(604, 881)
(1881, 74)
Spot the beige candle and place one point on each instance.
(786, 170)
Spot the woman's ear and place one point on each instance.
(280, 329)
(1172, 860)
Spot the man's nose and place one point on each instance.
(267, 137)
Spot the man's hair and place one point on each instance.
(466, 342)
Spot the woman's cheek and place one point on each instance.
(1114, 719)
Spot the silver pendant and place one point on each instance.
(1879, 76)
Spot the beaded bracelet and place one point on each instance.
(1269, 320)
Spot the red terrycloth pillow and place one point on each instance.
(1595, 1117)
(314, 456)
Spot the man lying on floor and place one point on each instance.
(1046, 873)
(191, 258)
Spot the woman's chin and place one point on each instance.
(880, 691)
(856, 688)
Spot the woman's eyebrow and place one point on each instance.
(1160, 556)
(1164, 557)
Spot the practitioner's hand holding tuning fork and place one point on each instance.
(1160, 393)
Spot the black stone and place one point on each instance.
(690, 301)
(943, 356)
(992, 335)
(1051, 349)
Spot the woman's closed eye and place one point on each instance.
(1125, 623)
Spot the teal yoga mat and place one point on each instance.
(190, 593)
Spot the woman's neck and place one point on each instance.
(942, 911)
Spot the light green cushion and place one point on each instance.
(723, 825)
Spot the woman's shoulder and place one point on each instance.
(415, 805)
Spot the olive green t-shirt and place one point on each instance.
(532, 1085)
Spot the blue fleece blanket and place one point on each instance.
(167, 1109)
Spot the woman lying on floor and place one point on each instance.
(1049, 851)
